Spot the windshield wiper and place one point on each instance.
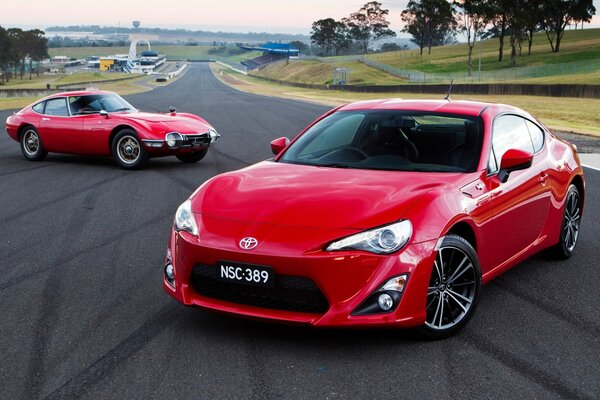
(335, 165)
(122, 109)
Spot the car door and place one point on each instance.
(59, 131)
(521, 204)
(95, 128)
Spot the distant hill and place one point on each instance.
(182, 35)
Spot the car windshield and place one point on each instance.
(94, 103)
(391, 140)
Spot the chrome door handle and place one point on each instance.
(45, 119)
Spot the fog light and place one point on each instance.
(385, 301)
(170, 274)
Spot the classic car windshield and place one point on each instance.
(94, 103)
(391, 140)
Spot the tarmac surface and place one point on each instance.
(83, 313)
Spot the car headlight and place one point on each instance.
(214, 136)
(384, 240)
(173, 139)
(184, 219)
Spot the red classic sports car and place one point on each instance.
(103, 124)
(385, 212)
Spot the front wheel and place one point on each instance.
(453, 290)
(128, 151)
(571, 221)
(193, 156)
(31, 145)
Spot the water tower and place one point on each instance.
(136, 24)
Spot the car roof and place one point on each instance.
(472, 108)
(79, 93)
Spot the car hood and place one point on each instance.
(309, 196)
(169, 123)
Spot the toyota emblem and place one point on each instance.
(248, 243)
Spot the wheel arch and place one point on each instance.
(578, 182)
(116, 130)
(22, 128)
(466, 231)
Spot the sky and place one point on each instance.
(273, 16)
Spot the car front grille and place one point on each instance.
(196, 140)
(291, 293)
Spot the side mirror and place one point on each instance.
(172, 110)
(104, 113)
(514, 160)
(278, 145)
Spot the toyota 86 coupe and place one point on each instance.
(102, 123)
(380, 213)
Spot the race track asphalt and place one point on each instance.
(83, 313)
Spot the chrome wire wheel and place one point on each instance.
(128, 149)
(572, 220)
(31, 142)
(452, 290)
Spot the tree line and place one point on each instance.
(437, 22)
(19, 47)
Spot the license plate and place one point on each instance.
(246, 274)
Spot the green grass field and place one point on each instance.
(577, 45)
(40, 82)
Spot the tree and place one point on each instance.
(17, 53)
(429, 22)
(530, 14)
(557, 14)
(35, 46)
(330, 35)
(369, 24)
(5, 52)
(303, 47)
(497, 13)
(471, 21)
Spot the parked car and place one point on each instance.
(381, 213)
(102, 123)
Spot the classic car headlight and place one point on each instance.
(214, 136)
(173, 139)
(384, 240)
(184, 219)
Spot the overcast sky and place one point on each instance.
(275, 16)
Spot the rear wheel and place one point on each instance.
(31, 145)
(571, 221)
(193, 156)
(128, 151)
(453, 290)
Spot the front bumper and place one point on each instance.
(345, 279)
(189, 143)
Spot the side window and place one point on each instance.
(56, 107)
(509, 132)
(38, 108)
(537, 135)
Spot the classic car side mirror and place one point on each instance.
(514, 160)
(172, 110)
(104, 113)
(279, 144)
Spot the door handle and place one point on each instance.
(543, 177)
(45, 119)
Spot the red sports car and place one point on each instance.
(103, 124)
(385, 212)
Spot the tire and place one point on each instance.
(570, 225)
(31, 144)
(128, 151)
(454, 288)
(192, 157)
